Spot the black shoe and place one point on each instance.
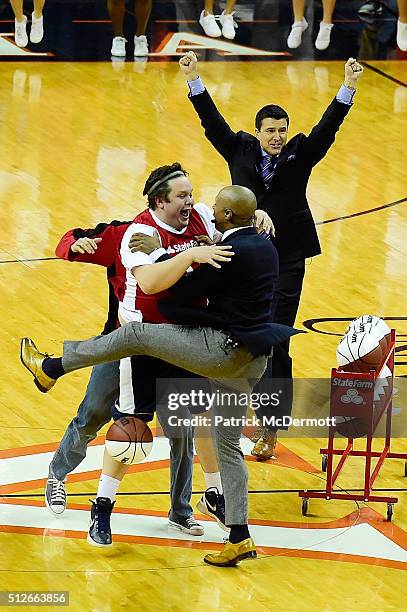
(99, 531)
(187, 525)
(212, 503)
(55, 495)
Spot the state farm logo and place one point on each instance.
(178, 248)
(351, 397)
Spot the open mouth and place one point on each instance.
(185, 213)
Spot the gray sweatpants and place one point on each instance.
(203, 352)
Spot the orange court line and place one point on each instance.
(366, 515)
(163, 42)
(301, 553)
(84, 476)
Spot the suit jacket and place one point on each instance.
(286, 200)
(239, 294)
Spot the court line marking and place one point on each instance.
(362, 212)
(44, 525)
(357, 214)
(353, 538)
(384, 74)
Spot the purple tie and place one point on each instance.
(267, 167)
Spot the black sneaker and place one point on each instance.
(187, 525)
(212, 503)
(99, 530)
(55, 495)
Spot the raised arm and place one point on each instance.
(217, 131)
(322, 136)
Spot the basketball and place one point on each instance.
(129, 440)
(375, 326)
(359, 352)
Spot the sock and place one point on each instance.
(238, 533)
(108, 487)
(52, 367)
(212, 479)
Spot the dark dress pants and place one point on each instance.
(278, 374)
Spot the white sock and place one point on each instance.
(108, 487)
(212, 479)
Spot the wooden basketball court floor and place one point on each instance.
(78, 140)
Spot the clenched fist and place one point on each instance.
(353, 72)
(188, 63)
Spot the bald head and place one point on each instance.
(234, 207)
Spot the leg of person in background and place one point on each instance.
(93, 412)
(402, 25)
(112, 474)
(264, 437)
(212, 503)
(228, 24)
(208, 22)
(299, 26)
(324, 35)
(37, 25)
(138, 378)
(142, 9)
(20, 23)
(284, 310)
(116, 9)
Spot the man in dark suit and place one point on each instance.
(230, 348)
(277, 172)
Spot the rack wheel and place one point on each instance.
(325, 463)
(304, 508)
(405, 468)
(389, 512)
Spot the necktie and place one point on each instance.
(267, 167)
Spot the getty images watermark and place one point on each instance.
(198, 402)
(306, 408)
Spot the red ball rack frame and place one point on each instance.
(359, 394)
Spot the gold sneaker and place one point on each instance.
(265, 447)
(32, 359)
(232, 554)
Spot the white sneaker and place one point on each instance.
(118, 46)
(229, 25)
(20, 32)
(37, 29)
(209, 25)
(324, 36)
(140, 46)
(401, 35)
(295, 37)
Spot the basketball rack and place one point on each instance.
(368, 395)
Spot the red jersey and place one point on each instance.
(136, 305)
